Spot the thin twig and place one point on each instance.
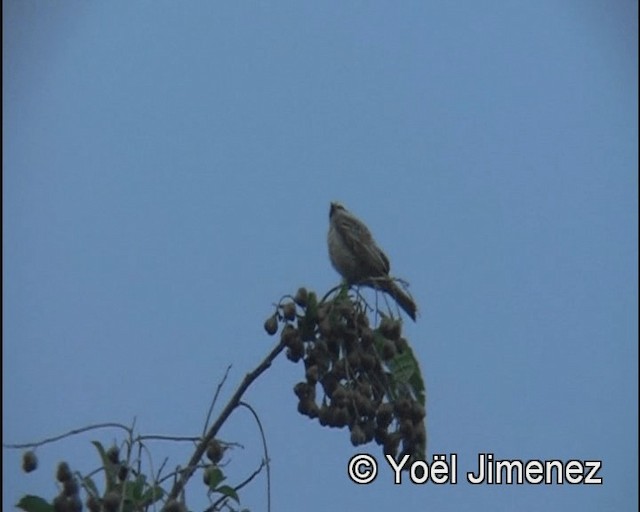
(164, 463)
(159, 437)
(335, 288)
(266, 453)
(68, 434)
(215, 398)
(188, 471)
(219, 501)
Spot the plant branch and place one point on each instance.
(70, 433)
(213, 507)
(215, 398)
(266, 453)
(249, 378)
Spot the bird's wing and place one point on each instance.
(359, 241)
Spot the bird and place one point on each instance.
(358, 259)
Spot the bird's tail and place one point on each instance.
(399, 295)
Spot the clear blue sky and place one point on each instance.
(168, 168)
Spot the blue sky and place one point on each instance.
(168, 168)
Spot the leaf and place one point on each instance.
(215, 477)
(90, 484)
(133, 489)
(153, 494)
(378, 340)
(308, 322)
(406, 370)
(110, 469)
(403, 366)
(229, 492)
(312, 307)
(101, 451)
(31, 503)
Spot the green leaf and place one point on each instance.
(215, 477)
(406, 370)
(308, 322)
(312, 308)
(101, 451)
(31, 503)
(90, 484)
(110, 469)
(343, 294)
(403, 366)
(133, 489)
(378, 340)
(229, 492)
(153, 494)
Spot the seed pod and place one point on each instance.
(29, 461)
(407, 430)
(339, 369)
(271, 325)
(289, 311)
(369, 431)
(357, 435)
(384, 415)
(409, 449)
(63, 473)
(301, 297)
(402, 408)
(391, 444)
(401, 344)
(296, 351)
(341, 417)
(362, 320)
(390, 328)
(380, 435)
(329, 384)
(323, 311)
(325, 415)
(364, 388)
(304, 391)
(215, 451)
(308, 407)
(367, 362)
(346, 310)
(289, 335)
(93, 504)
(364, 405)
(339, 396)
(70, 487)
(123, 472)
(388, 350)
(312, 374)
(111, 501)
(74, 503)
(420, 434)
(366, 338)
(326, 327)
(354, 360)
(60, 503)
(113, 454)
(417, 412)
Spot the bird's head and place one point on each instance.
(335, 207)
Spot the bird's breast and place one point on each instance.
(342, 259)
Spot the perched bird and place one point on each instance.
(357, 258)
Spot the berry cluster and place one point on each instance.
(69, 498)
(367, 377)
